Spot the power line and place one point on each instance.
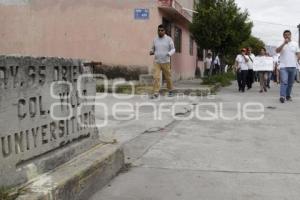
(273, 23)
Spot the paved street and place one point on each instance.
(212, 159)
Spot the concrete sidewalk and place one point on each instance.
(125, 130)
(212, 160)
(186, 87)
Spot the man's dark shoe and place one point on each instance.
(289, 98)
(171, 94)
(282, 99)
(154, 96)
(265, 89)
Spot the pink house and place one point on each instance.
(116, 32)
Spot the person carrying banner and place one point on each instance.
(263, 75)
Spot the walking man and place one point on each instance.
(250, 76)
(207, 64)
(241, 66)
(162, 49)
(217, 65)
(288, 63)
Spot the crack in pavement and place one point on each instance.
(222, 171)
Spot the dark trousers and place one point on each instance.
(239, 79)
(206, 72)
(256, 76)
(216, 69)
(250, 78)
(242, 79)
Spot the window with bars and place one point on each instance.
(191, 45)
(168, 26)
(177, 39)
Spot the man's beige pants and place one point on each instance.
(166, 70)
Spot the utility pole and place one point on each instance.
(299, 34)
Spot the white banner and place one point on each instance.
(263, 63)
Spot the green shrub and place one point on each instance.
(126, 72)
(224, 79)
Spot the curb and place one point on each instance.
(79, 178)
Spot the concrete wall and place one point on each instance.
(183, 63)
(43, 122)
(100, 30)
(89, 29)
(187, 3)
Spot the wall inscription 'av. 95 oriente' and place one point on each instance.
(43, 110)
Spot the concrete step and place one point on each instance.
(201, 90)
(79, 178)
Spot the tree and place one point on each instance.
(255, 43)
(220, 25)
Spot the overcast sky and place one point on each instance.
(272, 17)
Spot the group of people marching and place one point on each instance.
(244, 69)
(246, 75)
(285, 68)
(212, 67)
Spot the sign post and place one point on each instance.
(141, 14)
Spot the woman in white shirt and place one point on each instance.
(263, 75)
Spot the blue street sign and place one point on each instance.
(142, 14)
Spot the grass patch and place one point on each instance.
(126, 72)
(224, 79)
(125, 89)
(7, 194)
(146, 89)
